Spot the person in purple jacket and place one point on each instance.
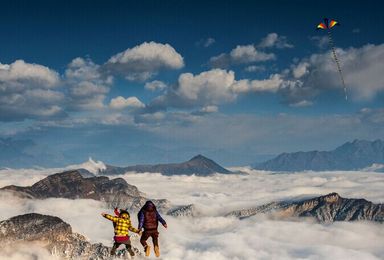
(149, 219)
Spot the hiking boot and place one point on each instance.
(130, 251)
(147, 250)
(157, 251)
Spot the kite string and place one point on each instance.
(337, 63)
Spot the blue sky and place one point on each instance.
(160, 81)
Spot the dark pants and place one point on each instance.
(150, 233)
(127, 245)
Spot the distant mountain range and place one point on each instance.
(53, 234)
(328, 208)
(198, 165)
(185, 211)
(354, 155)
(72, 185)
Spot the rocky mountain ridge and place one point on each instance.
(198, 165)
(354, 155)
(72, 185)
(328, 208)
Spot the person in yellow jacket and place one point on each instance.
(122, 224)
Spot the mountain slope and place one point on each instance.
(198, 165)
(51, 233)
(350, 156)
(328, 208)
(71, 185)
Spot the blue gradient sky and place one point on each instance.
(240, 128)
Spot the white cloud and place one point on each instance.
(303, 103)
(116, 119)
(92, 166)
(209, 42)
(155, 85)
(206, 42)
(255, 68)
(19, 73)
(145, 60)
(204, 111)
(212, 86)
(242, 54)
(275, 40)
(209, 88)
(300, 70)
(372, 116)
(320, 41)
(87, 85)
(248, 53)
(209, 109)
(362, 69)
(17, 176)
(29, 91)
(150, 118)
(26, 251)
(121, 103)
(267, 85)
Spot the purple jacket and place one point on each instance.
(149, 217)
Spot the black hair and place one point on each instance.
(124, 211)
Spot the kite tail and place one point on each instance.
(337, 63)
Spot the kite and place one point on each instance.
(328, 25)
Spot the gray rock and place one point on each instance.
(184, 211)
(72, 185)
(328, 208)
(53, 234)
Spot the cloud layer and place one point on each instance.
(228, 238)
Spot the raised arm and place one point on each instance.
(109, 217)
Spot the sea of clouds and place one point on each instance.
(213, 236)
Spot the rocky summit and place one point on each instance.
(72, 185)
(53, 234)
(328, 208)
(198, 165)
